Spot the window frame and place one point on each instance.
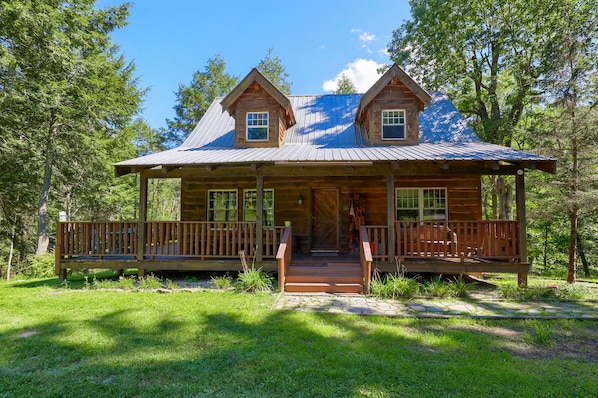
(404, 124)
(248, 127)
(211, 211)
(421, 203)
(267, 221)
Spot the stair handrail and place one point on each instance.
(284, 255)
(365, 255)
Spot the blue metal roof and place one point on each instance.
(325, 131)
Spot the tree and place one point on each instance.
(193, 100)
(487, 55)
(65, 91)
(570, 123)
(273, 70)
(344, 85)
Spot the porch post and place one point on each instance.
(522, 222)
(141, 220)
(259, 217)
(390, 215)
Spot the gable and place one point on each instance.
(262, 113)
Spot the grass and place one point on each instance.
(213, 343)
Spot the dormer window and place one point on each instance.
(393, 124)
(257, 126)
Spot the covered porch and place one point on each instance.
(437, 247)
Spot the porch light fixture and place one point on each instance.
(62, 216)
(300, 200)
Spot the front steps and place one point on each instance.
(326, 277)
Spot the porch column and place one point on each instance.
(259, 217)
(390, 215)
(141, 220)
(522, 222)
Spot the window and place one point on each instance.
(250, 206)
(393, 125)
(257, 126)
(222, 205)
(421, 204)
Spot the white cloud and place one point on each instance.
(366, 38)
(362, 72)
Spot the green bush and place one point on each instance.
(222, 282)
(150, 282)
(459, 287)
(392, 286)
(39, 266)
(436, 287)
(255, 280)
(126, 283)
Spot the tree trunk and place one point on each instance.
(572, 268)
(582, 256)
(43, 241)
(10, 253)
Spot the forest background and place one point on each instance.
(524, 74)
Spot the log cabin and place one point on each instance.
(322, 190)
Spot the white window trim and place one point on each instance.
(209, 208)
(247, 127)
(404, 124)
(254, 190)
(420, 202)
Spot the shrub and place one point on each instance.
(39, 266)
(105, 284)
(222, 282)
(393, 286)
(150, 282)
(436, 287)
(126, 283)
(459, 287)
(529, 293)
(255, 280)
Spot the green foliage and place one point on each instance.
(222, 282)
(392, 286)
(345, 85)
(126, 283)
(67, 97)
(458, 287)
(436, 287)
(274, 71)
(150, 282)
(39, 266)
(192, 101)
(254, 280)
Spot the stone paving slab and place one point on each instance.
(436, 308)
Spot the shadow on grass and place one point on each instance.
(189, 347)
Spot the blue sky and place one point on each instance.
(315, 40)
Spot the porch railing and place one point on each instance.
(284, 256)
(165, 239)
(487, 239)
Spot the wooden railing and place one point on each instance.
(284, 256)
(365, 255)
(165, 239)
(488, 239)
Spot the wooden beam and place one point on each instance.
(259, 217)
(522, 222)
(142, 216)
(390, 214)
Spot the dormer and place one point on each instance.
(388, 112)
(261, 111)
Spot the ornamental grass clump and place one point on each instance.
(254, 280)
(458, 287)
(150, 282)
(436, 287)
(393, 286)
(223, 282)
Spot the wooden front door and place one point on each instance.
(325, 219)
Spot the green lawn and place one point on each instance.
(57, 342)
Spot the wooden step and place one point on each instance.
(324, 287)
(333, 277)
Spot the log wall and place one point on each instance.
(464, 199)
